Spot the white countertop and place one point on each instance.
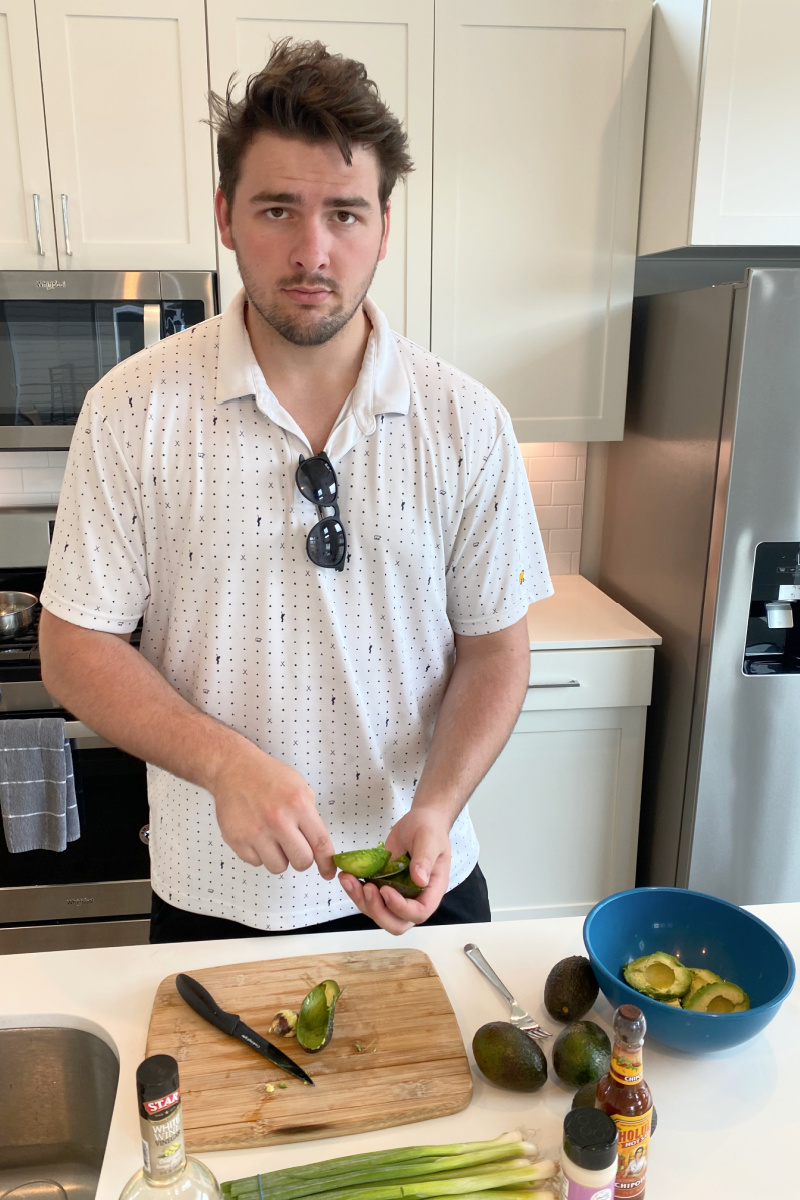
(579, 616)
(727, 1122)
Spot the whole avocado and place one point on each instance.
(570, 989)
(581, 1053)
(508, 1058)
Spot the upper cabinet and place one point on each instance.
(27, 231)
(538, 128)
(130, 182)
(532, 147)
(395, 41)
(721, 165)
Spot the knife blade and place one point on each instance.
(206, 1007)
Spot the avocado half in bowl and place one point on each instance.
(701, 931)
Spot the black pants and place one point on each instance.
(467, 902)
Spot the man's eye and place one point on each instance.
(276, 213)
(345, 218)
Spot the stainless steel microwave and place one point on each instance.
(60, 331)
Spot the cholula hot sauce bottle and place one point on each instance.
(625, 1096)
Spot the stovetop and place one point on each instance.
(20, 665)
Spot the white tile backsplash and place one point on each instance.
(556, 471)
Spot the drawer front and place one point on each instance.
(613, 678)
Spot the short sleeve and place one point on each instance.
(498, 565)
(96, 570)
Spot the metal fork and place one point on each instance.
(519, 1017)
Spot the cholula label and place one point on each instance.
(633, 1147)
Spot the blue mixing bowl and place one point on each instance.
(701, 931)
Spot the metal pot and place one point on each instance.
(16, 612)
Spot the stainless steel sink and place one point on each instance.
(57, 1089)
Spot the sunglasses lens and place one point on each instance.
(316, 481)
(326, 544)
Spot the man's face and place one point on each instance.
(308, 234)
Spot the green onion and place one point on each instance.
(461, 1169)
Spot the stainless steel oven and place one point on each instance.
(97, 891)
(61, 331)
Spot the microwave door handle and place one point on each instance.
(38, 222)
(152, 324)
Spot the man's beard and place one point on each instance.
(298, 332)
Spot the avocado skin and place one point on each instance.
(570, 989)
(508, 1058)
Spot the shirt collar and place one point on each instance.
(382, 387)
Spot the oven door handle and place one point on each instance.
(85, 737)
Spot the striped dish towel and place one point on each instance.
(37, 786)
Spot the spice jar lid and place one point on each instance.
(590, 1138)
(157, 1085)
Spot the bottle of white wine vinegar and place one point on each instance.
(168, 1172)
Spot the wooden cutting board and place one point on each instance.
(396, 1054)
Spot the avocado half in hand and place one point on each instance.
(377, 866)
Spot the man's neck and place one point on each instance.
(310, 382)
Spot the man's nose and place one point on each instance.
(311, 250)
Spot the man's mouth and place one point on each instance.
(308, 296)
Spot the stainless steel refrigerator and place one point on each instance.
(701, 540)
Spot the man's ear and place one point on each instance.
(386, 222)
(223, 220)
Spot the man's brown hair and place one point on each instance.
(306, 92)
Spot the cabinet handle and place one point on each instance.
(38, 222)
(65, 218)
(570, 683)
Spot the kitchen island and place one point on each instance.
(727, 1122)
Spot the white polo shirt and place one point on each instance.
(180, 504)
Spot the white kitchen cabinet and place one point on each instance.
(124, 88)
(720, 162)
(394, 40)
(539, 116)
(27, 231)
(557, 816)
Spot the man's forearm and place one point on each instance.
(480, 707)
(111, 687)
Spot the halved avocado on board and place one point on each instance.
(660, 976)
(719, 997)
(363, 863)
(315, 1019)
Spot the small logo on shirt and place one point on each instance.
(522, 576)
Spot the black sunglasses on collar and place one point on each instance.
(326, 544)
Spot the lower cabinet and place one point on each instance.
(557, 816)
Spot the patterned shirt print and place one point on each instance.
(180, 504)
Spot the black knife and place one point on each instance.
(206, 1007)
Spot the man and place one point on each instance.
(331, 538)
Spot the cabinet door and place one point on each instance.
(538, 139)
(557, 816)
(394, 40)
(747, 188)
(25, 174)
(125, 96)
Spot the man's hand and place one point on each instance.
(424, 835)
(267, 815)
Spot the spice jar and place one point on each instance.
(588, 1155)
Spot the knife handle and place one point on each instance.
(204, 1004)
